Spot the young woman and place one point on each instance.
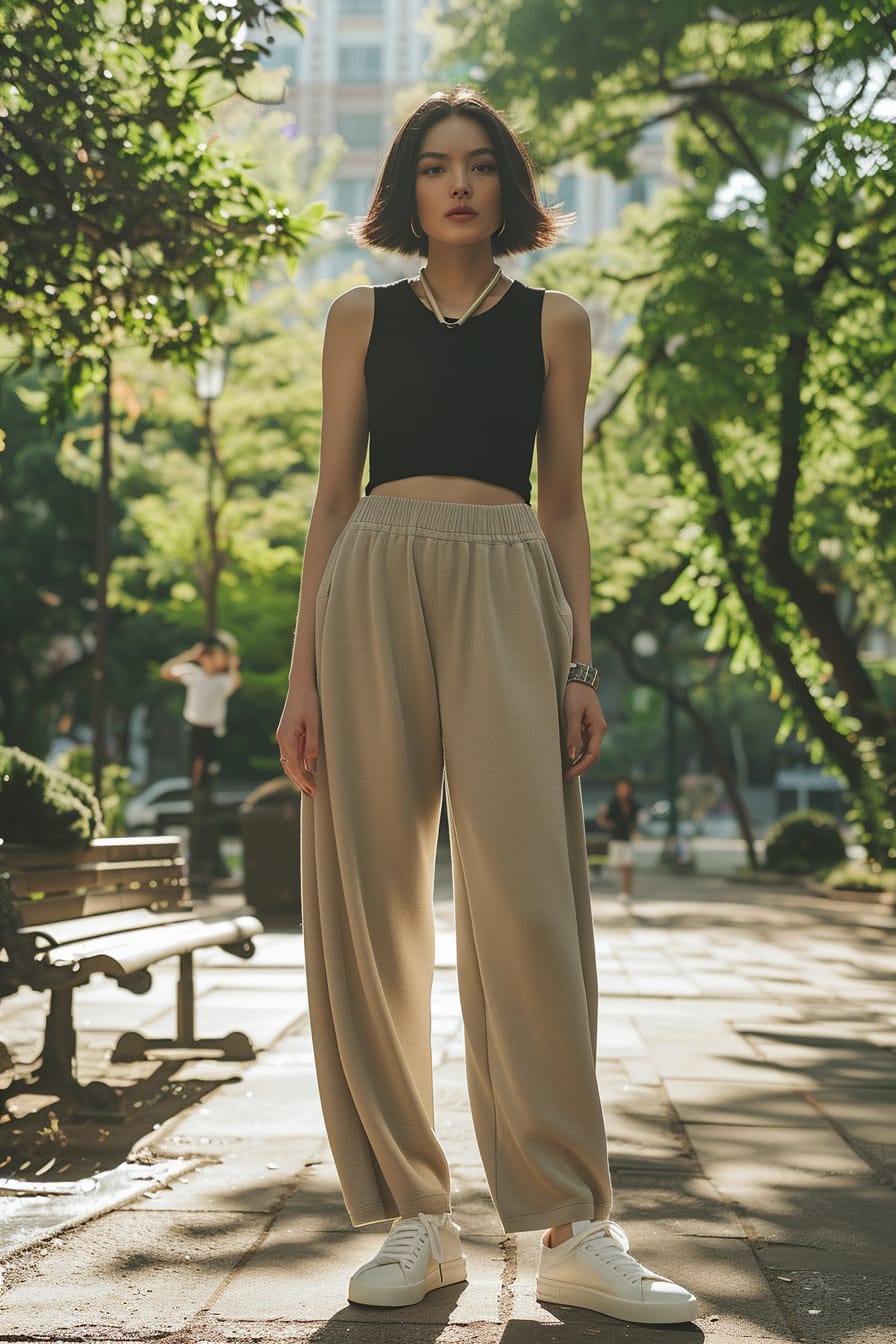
(443, 629)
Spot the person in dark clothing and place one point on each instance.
(619, 816)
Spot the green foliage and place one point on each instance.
(860, 877)
(41, 805)
(117, 788)
(757, 376)
(804, 842)
(123, 216)
(46, 554)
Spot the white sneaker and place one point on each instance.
(593, 1269)
(419, 1254)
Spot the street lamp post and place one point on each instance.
(210, 374)
(206, 861)
(670, 848)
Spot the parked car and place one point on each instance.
(655, 822)
(167, 804)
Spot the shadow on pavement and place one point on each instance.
(382, 1323)
(575, 1326)
(58, 1143)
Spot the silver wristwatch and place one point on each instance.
(585, 673)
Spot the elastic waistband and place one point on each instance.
(438, 518)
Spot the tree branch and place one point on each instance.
(763, 619)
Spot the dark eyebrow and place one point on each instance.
(434, 154)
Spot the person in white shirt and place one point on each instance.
(210, 673)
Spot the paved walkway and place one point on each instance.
(746, 1057)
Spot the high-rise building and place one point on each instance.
(355, 57)
(345, 76)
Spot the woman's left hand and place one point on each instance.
(585, 728)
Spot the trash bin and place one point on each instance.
(269, 826)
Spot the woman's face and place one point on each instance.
(457, 172)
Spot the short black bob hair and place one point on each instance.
(527, 223)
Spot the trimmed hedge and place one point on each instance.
(40, 805)
(804, 842)
(860, 877)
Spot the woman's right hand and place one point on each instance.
(298, 735)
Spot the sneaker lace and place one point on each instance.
(609, 1244)
(408, 1238)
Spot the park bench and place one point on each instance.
(114, 907)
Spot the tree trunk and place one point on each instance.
(725, 773)
(678, 696)
(101, 626)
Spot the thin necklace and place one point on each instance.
(459, 321)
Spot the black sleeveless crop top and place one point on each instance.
(454, 402)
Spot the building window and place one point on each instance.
(361, 6)
(640, 189)
(359, 130)
(360, 65)
(567, 193)
(351, 195)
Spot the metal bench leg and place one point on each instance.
(236, 1045)
(186, 1002)
(55, 1076)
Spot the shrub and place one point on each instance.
(40, 805)
(859, 877)
(804, 842)
(117, 788)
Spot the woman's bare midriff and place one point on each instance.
(449, 490)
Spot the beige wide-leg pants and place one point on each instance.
(443, 642)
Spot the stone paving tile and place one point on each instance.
(642, 1124)
(839, 1308)
(722, 982)
(236, 1181)
(866, 1113)
(708, 1010)
(663, 986)
(709, 1101)
(825, 1060)
(787, 1189)
(726, 1175)
(712, 1052)
(648, 1198)
(641, 1072)
(306, 1274)
(133, 1269)
(618, 1037)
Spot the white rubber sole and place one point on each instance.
(441, 1275)
(643, 1313)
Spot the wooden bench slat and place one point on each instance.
(109, 848)
(94, 876)
(135, 949)
(52, 909)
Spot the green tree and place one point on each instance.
(761, 360)
(123, 218)
(46, 549)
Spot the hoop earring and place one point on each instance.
(413, 230)
(501, 230)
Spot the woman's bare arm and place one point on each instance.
(342, 451)
(566, 335)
